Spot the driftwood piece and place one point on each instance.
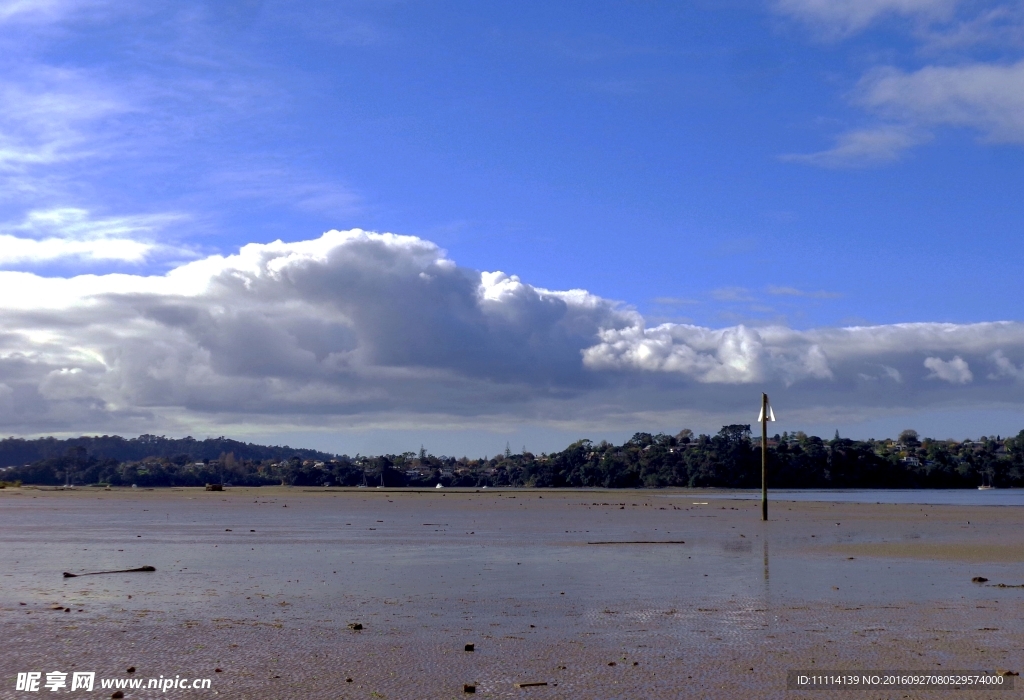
(119, 571)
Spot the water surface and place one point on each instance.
(952, 497)
(264, 582)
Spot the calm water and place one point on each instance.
(935, 497)
(263, 582)
(525, 545)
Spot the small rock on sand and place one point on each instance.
(355, 626)
(979, 579)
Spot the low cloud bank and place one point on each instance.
(358, 328)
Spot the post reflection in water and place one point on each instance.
(769, 616)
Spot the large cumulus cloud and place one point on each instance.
(350, 324)
(357, 328)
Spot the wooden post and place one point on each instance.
(764, 456)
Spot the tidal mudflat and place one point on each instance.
(264, 583)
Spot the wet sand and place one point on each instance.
(263, 583)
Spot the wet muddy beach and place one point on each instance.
(700, 599)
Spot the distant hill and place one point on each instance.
(18, 451)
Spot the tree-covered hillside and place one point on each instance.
(18, 451)
(729, 459)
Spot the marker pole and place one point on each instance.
(764, 456)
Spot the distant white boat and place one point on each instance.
(439, 486)
(984, 487)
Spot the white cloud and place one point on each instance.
(45, 236)
(893, 374)
(794, 292)
(890, 373)
(71, 129)
(674, 301)
(1005, 368)
(985, 96)
(732, 294)
(79, 224)
(40, 11)
(49, 116)
(864, 147)
(19, 251)
(999, 26)
(737, 355)
(350, 323)
(778, 354)
(988, 98)
(955, 371)
(835, 18)
(55, 122)
(356, 328)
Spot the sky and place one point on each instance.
(373, 225)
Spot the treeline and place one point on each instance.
(729, 459)
(19, 452)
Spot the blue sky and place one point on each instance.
(772, 172)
